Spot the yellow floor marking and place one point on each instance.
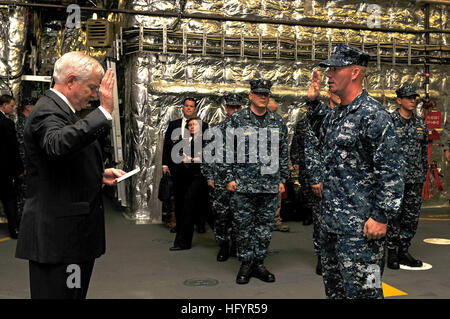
(441, 215)
(4, 239)
(447, 219)
(389, 291)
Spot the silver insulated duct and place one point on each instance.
(187, 52)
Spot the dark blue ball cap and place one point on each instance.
(233, 99)
(260, 86)
(343, 55)
(406, 90)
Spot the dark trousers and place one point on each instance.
(60, 281)
(188, 206)
(402, 229)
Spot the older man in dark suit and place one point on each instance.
(63, 228)
(10, 162)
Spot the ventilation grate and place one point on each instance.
(99, 33)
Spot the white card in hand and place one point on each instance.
(131, 173)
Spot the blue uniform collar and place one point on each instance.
(252, 116)
(341, 111)
(397, 115)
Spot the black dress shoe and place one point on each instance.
(260, 272)
(201, 230)
(243, 276)
(224, 252)
(392, 259)
(406, 259)
(173, 230)
(14, 234)
(319, 266)
(175, 248)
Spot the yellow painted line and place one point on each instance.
(5, 239)
(446, 219)
(389, 291)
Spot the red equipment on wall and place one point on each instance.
(433, 120)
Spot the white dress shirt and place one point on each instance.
(63, 97)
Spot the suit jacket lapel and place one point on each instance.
(72, 116)
(62, 105)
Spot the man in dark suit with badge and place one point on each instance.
(188, 109)
(11, 163)
(63, 228)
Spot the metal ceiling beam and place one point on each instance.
(435, 2)
(248, 19)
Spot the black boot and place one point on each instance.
(260, 272)
(243, 276)
(319, 266)
(405, 258)
(308, 218)
(224, 252)
(392, 259)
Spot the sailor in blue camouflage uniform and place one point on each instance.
(362, 180)
(412, 132)
(256, 177)
(215, 175)
(310, 124)
(297, 155)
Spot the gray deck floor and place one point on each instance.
(139, 265)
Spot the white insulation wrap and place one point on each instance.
(170, 58)
(12, 48)
(166, 58)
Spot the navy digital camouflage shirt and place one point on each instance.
(305, 132)
(260, 162)
(362, 166)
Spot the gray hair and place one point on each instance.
(77, 63)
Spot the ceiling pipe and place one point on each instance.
(214, 17)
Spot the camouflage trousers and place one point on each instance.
(317, 217)
(223, 215)
(313, 203)
(278, 220)
(402, 229)
(351, 266)
(253, 223)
